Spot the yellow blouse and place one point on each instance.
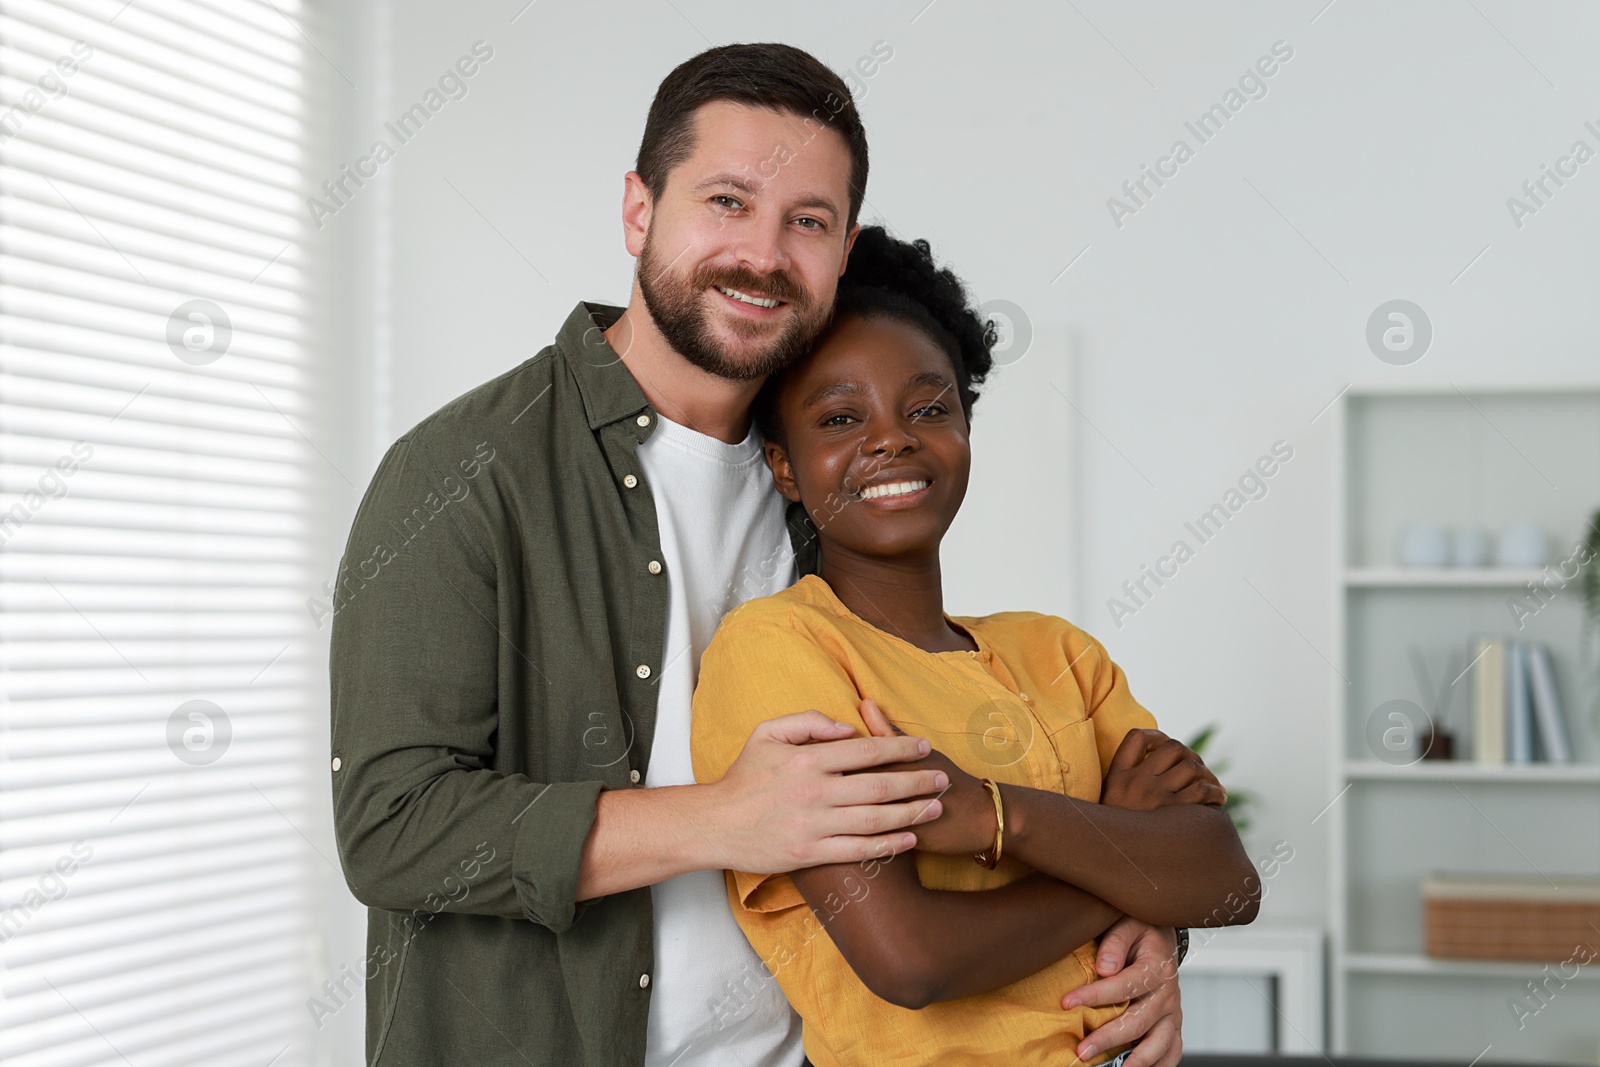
(1039, 704)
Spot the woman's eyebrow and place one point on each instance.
(929, 377)
(850, 387)
(845, 387)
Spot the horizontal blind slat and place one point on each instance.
(157, 518)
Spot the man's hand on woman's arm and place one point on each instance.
(1137, 962)
(790, 800)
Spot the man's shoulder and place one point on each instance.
(542, 391)
(498, 406)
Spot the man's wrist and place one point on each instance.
(668, 830)
(702, 807)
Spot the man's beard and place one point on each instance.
(679, 311)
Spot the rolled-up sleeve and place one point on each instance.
(422, 818)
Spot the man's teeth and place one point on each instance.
(892, 489)
(759, 302)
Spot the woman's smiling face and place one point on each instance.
(877, 447)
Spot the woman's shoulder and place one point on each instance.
(801, 607)
(1027, 626)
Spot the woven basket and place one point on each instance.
(1495, 917)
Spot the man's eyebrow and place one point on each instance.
(727, 178)
(730, 180)
(845, 387)
(818, 203)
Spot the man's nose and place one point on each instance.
(762, 246)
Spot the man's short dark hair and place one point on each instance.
(776, 76)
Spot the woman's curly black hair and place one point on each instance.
(887, 276)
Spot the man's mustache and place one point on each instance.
(777, 285)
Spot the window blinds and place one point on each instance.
(158, 490)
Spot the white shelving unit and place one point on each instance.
(1484, 457)
(1403, 578)
(1399, 963)
(1467, 771)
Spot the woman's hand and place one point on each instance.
(967, 820)
(1149, 981)
(1150, 770)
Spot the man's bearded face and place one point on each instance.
(721, 334)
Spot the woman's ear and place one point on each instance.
(782, 472)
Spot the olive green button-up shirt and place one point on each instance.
(499, 620)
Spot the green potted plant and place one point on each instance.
(1589, 584)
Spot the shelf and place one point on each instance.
(1441, 578)
(1407, 964)
(1380, 390)
(1481, 457)
(1467, 771)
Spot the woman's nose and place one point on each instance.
(891, 437)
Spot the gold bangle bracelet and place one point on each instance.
(990, 858)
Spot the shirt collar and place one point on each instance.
(608, 388)
(610, 393)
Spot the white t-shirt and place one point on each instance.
(723, 541)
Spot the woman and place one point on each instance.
(1066, 808)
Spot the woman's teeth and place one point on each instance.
(892, 489)
(759, 302)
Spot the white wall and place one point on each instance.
(1221, 317)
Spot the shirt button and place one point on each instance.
(1026, 699)
(644, 981)
(655, 566)
(643, 420)
(629, 480)
(633, 776)
(337, 763)
(643, 670)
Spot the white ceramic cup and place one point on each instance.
(1469, 546)
(1523, 544)
(1424, 544)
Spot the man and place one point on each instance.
(522, 603)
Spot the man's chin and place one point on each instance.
(745, 367)
(748, 354)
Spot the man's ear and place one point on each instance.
(637, 208)
(782, 472)
(849, 243)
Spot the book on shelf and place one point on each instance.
(1517, 715)
(1547, 706)
(1489, 699)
